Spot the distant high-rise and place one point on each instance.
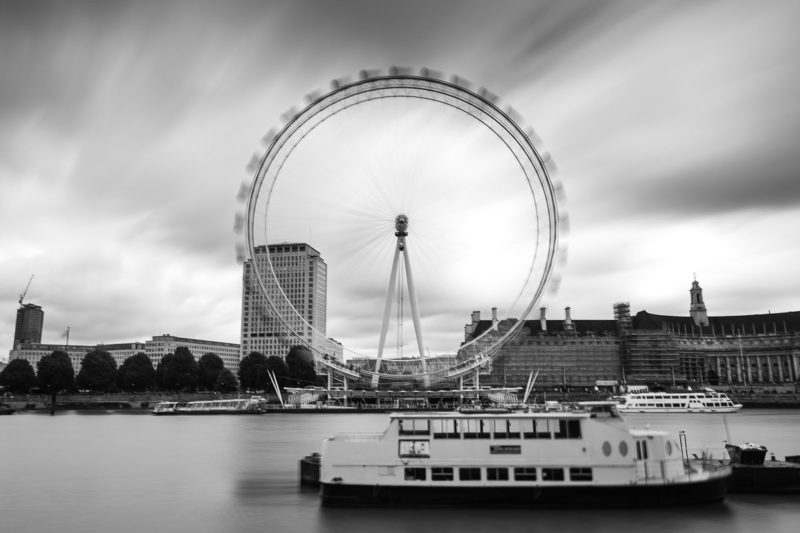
(30, 319)
(303, 278)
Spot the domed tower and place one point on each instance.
(697, 309)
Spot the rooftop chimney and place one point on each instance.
(542, 319)
(568, 320)
(494, 316)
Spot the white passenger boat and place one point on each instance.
(529, 459)
(707, 401)
(252, 405)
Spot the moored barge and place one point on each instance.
(237, 406)
(584, 458)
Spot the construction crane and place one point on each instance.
(22, 296)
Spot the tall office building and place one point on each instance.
(30, 319)
(303, 278)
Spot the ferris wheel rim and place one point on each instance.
(476, 105)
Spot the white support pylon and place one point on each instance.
(401, 227)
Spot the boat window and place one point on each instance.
(514, 429)
(476, 428)
(641, 449)
(497, 474)
(525, 473)
(606, 448)
(623, 448)
(504, 429)
(415, 474)
(414, 426)
(545, 428)
(552, 474)
(580, 474)
(528, 428)
(669, 448)
(444, 473)
(445, 429)
(568, 429)
(469, 474)
(414, 448)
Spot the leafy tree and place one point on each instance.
(136, 373)
(54, 373)
(253, 371)
(279, 368)
(208, 369)
(98, 372)
(162, 381)
(226, 381)
(181, 371)
(300, 361)
(18, 376)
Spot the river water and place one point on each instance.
(133, 472)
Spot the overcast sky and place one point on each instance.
(125, 129)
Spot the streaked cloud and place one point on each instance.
(125, 128)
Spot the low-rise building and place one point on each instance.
(155, 349)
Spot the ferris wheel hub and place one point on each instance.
(401, 225)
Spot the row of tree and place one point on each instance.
(176, 372)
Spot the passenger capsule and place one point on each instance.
(488, 95)
(238, 223)
(461, 82)
(244, 191)
(253, 164)
(430, 73)
(267, 139)
(289, 114)
(239, 247)
(367, 74)
(338, 83)
(313, 96)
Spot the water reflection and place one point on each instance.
(81, 472)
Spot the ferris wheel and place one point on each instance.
(532, 168)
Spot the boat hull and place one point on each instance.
(205, 413)
(633, 495)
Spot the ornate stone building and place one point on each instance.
(649, 349)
